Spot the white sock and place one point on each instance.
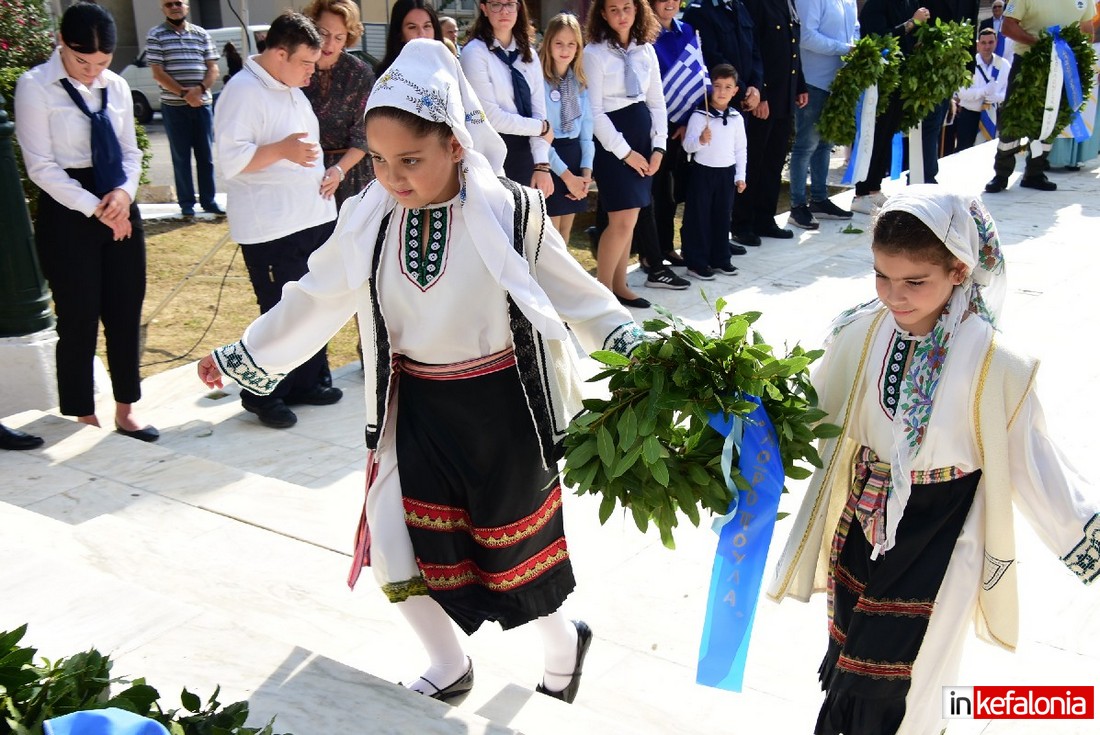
(559, 640)
(436, 632)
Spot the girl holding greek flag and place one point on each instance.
(909, 525)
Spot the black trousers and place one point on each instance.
(886, 125)
(704, 238)
(768, 143)
(93, 279)
(668, 191)
(966, 128)
(1005, 161)
(271, 265)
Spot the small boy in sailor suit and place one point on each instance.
(715, 141)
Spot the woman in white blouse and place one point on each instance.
(502, 67)
(74, 119)
(631, 128)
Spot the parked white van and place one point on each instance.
(144, 88)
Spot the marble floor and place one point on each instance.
(219, 555)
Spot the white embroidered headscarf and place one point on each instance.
(963, 224)
(426, 80)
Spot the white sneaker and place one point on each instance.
(879, 199)
(865, 204)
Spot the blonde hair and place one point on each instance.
(345, 9)
(559, 23)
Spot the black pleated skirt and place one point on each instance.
(484, 516)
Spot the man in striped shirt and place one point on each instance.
(185, 65)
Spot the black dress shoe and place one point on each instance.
(776, 232)
(736, 249)
(321, 395)
(997, 184)
(1040, 182)
(16, 439)
(673, 258)
(638, 303)
(276, 415)
(148, 434)
(212, 208)
(584, 640)
(460, 687)
(747, 238)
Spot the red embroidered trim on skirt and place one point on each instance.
(453, 576)
(909, 608)
(435, 517)
(875, 669)
(457, 370)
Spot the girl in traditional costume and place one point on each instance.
(908, 527)
(464, 288)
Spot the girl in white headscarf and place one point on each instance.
(909, 525)
(465, 288)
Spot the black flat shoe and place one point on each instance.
(584, 640)
(638, 303)
(148, 434)
(459, 688)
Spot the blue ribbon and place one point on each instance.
(897, 155)
(851, 170)
(744, 535)
(1071, 80)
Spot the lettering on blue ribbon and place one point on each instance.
(849, 173)
(1071, 80)
(744, 535)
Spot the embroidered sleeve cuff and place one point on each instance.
(624, 339)
(1084, 559)
(236, 364)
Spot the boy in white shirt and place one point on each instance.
(715, 141)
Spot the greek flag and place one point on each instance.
(686, 82)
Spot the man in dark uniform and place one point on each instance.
(768, 126)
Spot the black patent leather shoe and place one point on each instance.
(584, 640)
(16, 439)
(459, 688)
(148, 434)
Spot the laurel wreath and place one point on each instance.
(935, 69)
(873, 60)
(1021, 115)
(648, 448)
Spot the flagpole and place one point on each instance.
(706, 101)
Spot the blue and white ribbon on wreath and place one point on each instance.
(1062, 58)
(859, 163)
(744, 535)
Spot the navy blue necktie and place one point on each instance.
(106, 151)
(520, 89)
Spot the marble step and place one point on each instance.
(109, 548)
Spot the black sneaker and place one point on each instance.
(703, 274)
(825, 209)
(736, 249)
(802, 217)
(275, 415)
(321, 395)
(665, 278)
(727, 270)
